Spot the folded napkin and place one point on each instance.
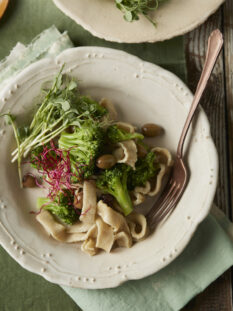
(47, 44)
(207, 256)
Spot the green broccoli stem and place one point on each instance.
(116, 134)
(114, 181)
(123, 199)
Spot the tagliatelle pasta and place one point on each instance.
(152, 188)
(137, 198)
(126, 153)
(89, 247)
(52, 227)
(164, 168)
(126, 126)
(109, 227)
(101, 227)
(89, 202)
(123, 239)
(143, 189)
(138, 194)
(94, 167)
(105, 236)
(167, 157)
(138, 226)
(114, 219)
(112, 113)
(79, 227)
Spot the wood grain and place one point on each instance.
(228, 57)
(217, 105)
(214, 298)
(213, 100)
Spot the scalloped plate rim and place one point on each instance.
(108, 37)
(116, 282)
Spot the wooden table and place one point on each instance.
(218, 104)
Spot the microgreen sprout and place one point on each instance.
(133, 8)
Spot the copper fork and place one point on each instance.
(179, 175)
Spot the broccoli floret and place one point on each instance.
(114, 181)
(81, 170)
(61, 207)
(84, 145)
(116, 134)
(145, 169)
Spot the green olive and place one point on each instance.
(151, 130)
(141, 151)
(107, 199)
(106, 161)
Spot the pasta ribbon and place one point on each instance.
(89, 202)
(109, 228)
(152, 188)
(138, 226)
(126, 153)
(112, 113)
(126, 126)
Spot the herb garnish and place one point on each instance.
(133, 8)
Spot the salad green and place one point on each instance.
(133, 8)
(63, 141)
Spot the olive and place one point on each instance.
(70, 129)
(106, 161)
(141, 151)
(151, 130)
(78, 200)
(107, 199)
(29, 181)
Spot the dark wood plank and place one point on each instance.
(218, 296)
(228, 57)
(214, 298)
(213, 100)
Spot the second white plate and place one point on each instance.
(174, 18)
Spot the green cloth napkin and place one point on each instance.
(169, 289)
(49, 43)
(207, 256)
(25, 19)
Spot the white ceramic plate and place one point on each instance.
(174, 17)
(142, 92)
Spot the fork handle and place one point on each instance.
(215, 43)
